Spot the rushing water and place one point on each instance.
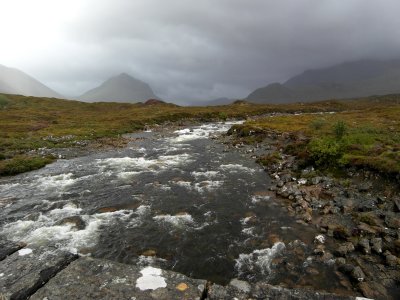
(175, 199)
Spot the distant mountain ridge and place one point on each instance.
(121, 88)
(346, 80)
(14, 81)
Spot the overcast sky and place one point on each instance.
(190, 50)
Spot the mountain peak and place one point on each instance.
(121, 88)
(346, 80)
(14, 81)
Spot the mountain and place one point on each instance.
(121, 88)
(346, 80)
(13, 81)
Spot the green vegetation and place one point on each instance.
(22, 163)
(366, 136)
(270, 158)
(3, 101)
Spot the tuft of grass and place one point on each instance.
(270, 159)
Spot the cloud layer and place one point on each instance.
(192, 50)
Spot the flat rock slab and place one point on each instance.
(88, 278)
(26, 270)
(243, 291)
(7, 248)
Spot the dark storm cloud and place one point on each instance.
(213, 48)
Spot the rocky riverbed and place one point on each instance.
(357, 214)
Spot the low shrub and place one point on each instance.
(317, 124)
(325, 152)
(339, 129)
(20, 164)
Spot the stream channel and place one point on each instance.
(173, 199)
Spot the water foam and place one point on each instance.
(207, 186)
(257, 199)
(176, 220)
(205, 174)
(128, 166)
(47, 229)
(259, 261)
(235, 168)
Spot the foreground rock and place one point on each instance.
(88, 278)
(25, 271)
(7, 248)
(241, 290)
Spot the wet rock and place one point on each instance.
(340, 232)
(345, 248)
(266, 291)
(367, 205)
(377, 245)
(357, 274)
(372, 290)
(149, 252)
(320, 239)
(391, 260)
(340, 261)
(316, 180)
(7, 248)
(241, 285)
(392, 221)
(363, 227)
(88, 278)
(364, 245)
(396, 206)
(346, 268)
(75, 221)
(364, 187)
(27, 270)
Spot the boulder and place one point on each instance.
(364, 245)
(345, 248)
(88, 278)
(28, 269)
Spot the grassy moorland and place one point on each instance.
(30, 123)
(367, 134)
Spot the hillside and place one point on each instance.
(13, 81)
(348, 80)
(121, 88)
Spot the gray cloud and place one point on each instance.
(212, 48)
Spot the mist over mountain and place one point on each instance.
(121, 88)
(14, 81)
(346, 80)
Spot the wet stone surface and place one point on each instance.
(267, 291)
(8, 248)
(26, 270)
(88, 278)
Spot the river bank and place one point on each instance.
(356, 212)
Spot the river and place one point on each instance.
(175, 199)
